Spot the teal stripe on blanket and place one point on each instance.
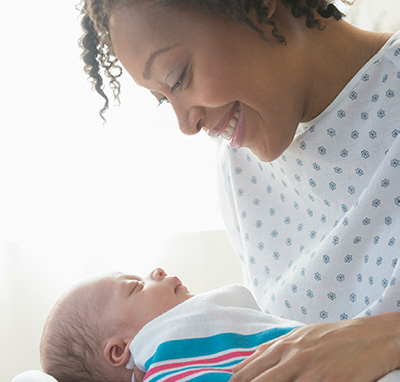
(213, 377)
(206, 346)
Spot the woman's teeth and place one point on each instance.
(228, 132)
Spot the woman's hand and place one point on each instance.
(358, 350)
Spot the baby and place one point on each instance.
(108, 328)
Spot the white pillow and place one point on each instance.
(33, 376)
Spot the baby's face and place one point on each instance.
(133, 301)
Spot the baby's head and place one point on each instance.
(88, 332)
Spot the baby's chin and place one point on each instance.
(183, 292)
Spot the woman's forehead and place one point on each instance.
(137, 35)
(144, 21)
(138, 32)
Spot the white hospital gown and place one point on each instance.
(318, 229)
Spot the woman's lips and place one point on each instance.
(237, 136)
(226, 127)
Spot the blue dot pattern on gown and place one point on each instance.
(318, 229)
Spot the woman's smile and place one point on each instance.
(228, 127)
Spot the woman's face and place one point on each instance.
(219, 76)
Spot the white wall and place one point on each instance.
(77, 197)
(382, 15)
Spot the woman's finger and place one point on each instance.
(260, 350)
(260, 361)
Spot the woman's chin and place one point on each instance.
(264, 154)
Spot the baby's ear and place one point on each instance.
(116, 351)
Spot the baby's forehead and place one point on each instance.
(121, 276)
(116, 275)
(109, 281)
(99, 279)
(92, 286)
(107, 288)
(100, 285)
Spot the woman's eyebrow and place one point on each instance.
(150, 61)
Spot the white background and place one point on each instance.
(71, 187)
(77, 197)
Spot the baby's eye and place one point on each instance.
(136, 286)
(133, 284)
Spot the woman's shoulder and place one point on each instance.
(391, 50)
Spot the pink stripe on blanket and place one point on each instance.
(199, 361)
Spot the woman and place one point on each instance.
(310, 106)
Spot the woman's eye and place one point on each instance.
(179, 83)
(162, 100)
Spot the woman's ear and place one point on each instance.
(116, 351)
(271, 6)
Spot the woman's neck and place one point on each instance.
(338, 52)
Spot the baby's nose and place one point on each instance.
(158, 274)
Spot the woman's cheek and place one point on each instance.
(214, 93)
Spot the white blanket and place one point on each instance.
(207, 334)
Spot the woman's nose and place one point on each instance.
(158, 274)
(191, 122)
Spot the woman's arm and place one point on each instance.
(358, 350)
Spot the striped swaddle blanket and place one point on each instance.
(203, 338)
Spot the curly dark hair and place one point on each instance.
(99, 56)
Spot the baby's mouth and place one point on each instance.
(178, 283)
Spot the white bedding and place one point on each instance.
(38, 376)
